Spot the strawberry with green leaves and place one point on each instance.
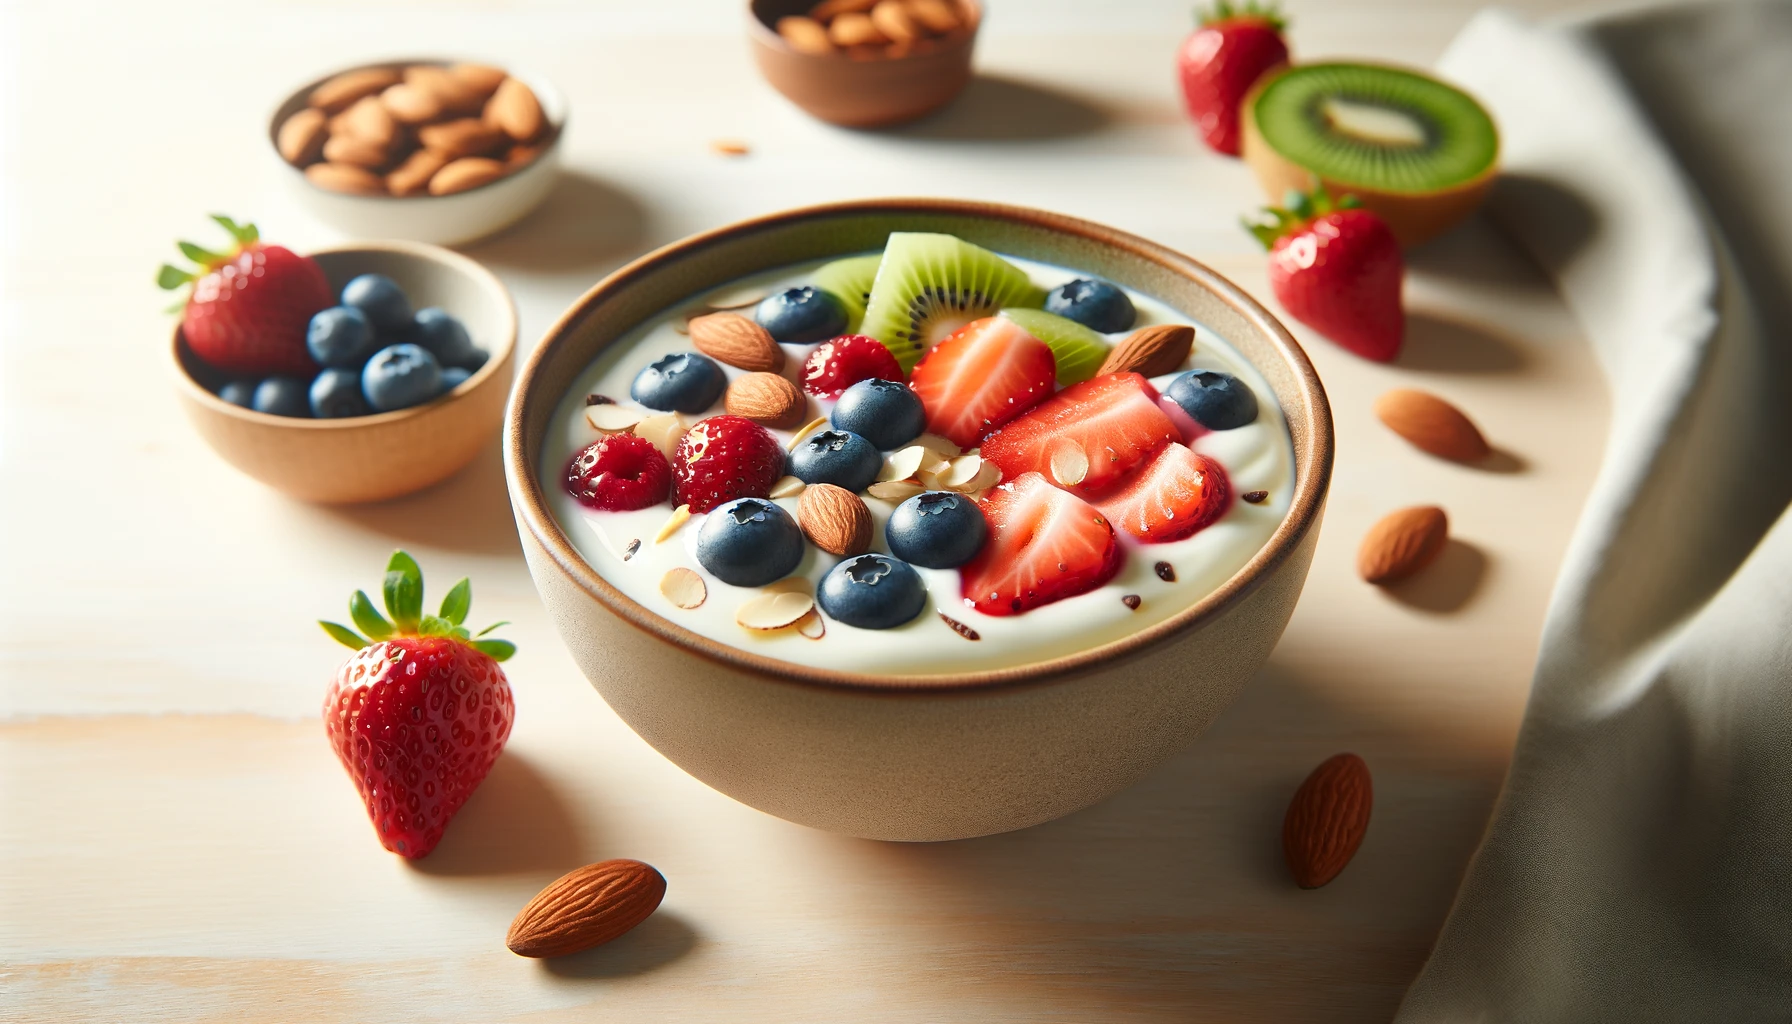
(420, 714)
(1336, 267)
(249, 308)
(1220, 62)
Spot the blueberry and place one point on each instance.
(282, 396)
(680, 382)
(453, 377)
(883, 412)
(939, 530)
(837, 457)
(1095, 304)
(399, 376)
(1217, 401)
(336, 393)
(381, 299)
(340, 336)
(749, 542)
(239, 392)
(801, 316)
(476, 360)
(446, 338)
(872, 592)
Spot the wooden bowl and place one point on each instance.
(371, 458)
(862, 93)
(918, 757)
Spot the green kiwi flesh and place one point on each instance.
(1078, 350)
(849, 280)
(1377, 127)
(929, 285)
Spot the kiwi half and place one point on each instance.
(849, 280)
(1417, 151)
(1078, 350)
(930, 285)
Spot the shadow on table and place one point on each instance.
(1446, 585)
(514, 823)
(585, 224)
(997, 109)
(468, 512)
(653, 944)
(1435, 344)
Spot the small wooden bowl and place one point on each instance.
(371, 458)
(862, 93)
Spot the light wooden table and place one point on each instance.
(177, 842)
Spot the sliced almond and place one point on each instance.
(805, 430)
(301, 137)
(788, 487)
(663, 430)
(903, 464)
(683, 587)
(812, 625)
(1432, 425)
(611, 418)
(680, 516)
(1069, 464)
(894, 490)
(940, 446)
(988, 475)
(962, 473)
(775, 610)
(737, 341)
(1402, 543)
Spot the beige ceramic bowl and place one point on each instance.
(862, 93)
(917, 757)
(370, 458)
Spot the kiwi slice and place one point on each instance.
(1079, 350)
(930, 285)
(1416, 150)
(849, 280)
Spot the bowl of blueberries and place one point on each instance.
(402, 381)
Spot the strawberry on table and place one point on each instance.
(1336, 267)
(249, 309)
(1173, 496)
(1045, 544)
(420, 714)
(1087, 436)
(982, 376)
(837, 365)
(1221, 60)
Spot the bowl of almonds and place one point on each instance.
(427, 150)
(865, 63)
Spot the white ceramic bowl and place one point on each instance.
(440, 220)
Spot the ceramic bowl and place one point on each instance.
(862, 93)
(370, 458)
(441, 220)
(917, 757)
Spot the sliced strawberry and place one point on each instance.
(1173, 496)
(984, 375)
(837, 365)
(1112, 421)
(1044, 545)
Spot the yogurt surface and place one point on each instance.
(1257, 457)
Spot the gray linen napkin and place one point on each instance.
(1638, 866)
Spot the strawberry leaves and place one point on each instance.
(403, 594)
(170, 277)
(1297, 209)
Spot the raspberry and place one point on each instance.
(724, 458)
(837, 365)
(619, 473)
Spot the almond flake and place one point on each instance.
(679, 517)
(614, 419)
(934, 463)
(736, 298)
(683, 587)
(663, 430)
(988, 475)
(774, 611)
(1069, 464)
(904, 464)
(932, 481)
(804, 431)
(961, 473)
(634, 545)
(940, 446)
(894, 490)
(787, 487)
(812, 625)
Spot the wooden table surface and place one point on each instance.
(177, 842)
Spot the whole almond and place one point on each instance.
(468, 136)
(805, 35)
(1151, 351)
(737, 341)
(828, 10)
(855, 29)
(1402, 543)
(411, 105)
(894, 21)
(834, 519)
(586, 907)
(465, 173)
(367, 119)
(346, 178)
(301, 137)
(352, 149)
(336, 94)
(937, 15)
(482, 79)
(1327, 820)
(521, 156)
(1431, 424)
(456, 96)
(768, 399)
(514, 110)
(411, 178)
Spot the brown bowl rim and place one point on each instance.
(558, 126)
(496, 355)
(768, 36)
(1312, 480)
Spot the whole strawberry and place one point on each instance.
(1337, 268)
(420, 714)
(1221, 60)
(249, 308)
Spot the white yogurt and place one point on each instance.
(1258, 456)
